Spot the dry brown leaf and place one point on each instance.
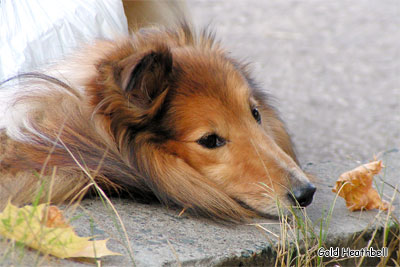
(45, 229)
(355, 187)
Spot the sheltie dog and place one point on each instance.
(165, 112)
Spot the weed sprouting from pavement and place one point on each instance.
(300, 238)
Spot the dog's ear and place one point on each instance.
(147, 76)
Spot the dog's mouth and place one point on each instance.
(257, 212)
(299, 198)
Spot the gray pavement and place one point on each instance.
(334, 68)
(160, 237)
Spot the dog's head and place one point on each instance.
(191, 120)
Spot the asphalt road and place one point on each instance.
(333, 66)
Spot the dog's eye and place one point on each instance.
(256, 115)
(211, 141)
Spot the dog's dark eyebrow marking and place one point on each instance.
(256, 89)
(258, 92)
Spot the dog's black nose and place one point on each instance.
(303, 195)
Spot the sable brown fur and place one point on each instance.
(125, 114)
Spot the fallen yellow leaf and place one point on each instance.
(44, 228)
(54, 218)
(355, 187)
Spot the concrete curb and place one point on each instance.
(158, 236)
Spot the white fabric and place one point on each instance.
(34, 33)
